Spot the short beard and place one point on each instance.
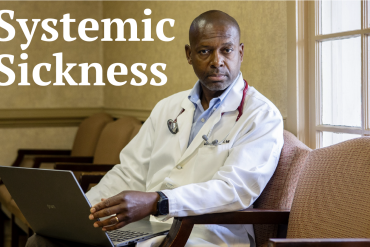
(215, 87)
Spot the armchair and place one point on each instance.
(323, 212)
(336, 179)
(320, 242)
(114, 138)
(83, 146)
(91, 173)
(181, 227)
(271, 209)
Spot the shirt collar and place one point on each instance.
(195, 92)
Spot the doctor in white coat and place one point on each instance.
(210, 149)
(196, 176)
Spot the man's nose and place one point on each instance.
(217, 60)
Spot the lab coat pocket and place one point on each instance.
(216, 150)
(210, 158)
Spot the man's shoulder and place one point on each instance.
(256, 100)
(176, 98)
(170, 103)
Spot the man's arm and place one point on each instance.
(131, 173)
(238, 183)
(121, 192)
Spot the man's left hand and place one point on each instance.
(129, 206)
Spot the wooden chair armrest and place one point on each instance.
(320, 242)
(181, 227)
(83, 167)
(246, 216)
(53, 159)
(23, 152)
(90, 178)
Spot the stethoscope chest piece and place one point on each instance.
(173, 126)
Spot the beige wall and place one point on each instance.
(78, 51)
(263, 25)
(264, 29)
(40, 138)
(34, 96)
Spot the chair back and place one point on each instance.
(333, 193)
(114, 137)
(88, 134)
(279, 192)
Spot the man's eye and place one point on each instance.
(203, 52)
(228, 50)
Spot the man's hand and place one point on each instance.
(129, 206)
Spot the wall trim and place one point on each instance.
(62, 117)
(44, 117)
(59, 117)
(140, 114)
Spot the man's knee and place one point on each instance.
(40, 241)
(35, 240)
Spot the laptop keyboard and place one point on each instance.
(121, 236)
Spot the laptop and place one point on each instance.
(55, 206)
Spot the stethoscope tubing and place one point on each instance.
(173, 126)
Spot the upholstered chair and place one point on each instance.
(114, 138)
(329, 207)
(271, 207)
(331, 203)
(279, 192)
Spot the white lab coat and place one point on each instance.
(202, 179)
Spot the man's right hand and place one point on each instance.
(128, 206)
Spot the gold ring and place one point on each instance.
(117, 219)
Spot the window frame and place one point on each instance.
(303, 86)
(316, 128)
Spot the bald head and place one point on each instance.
(215, 51)
(211, 19)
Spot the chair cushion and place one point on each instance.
(333, 193)
(88, 134)
(280, 190)
(114, 137)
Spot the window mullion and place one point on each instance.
(313, 20)
(315, 52)
(364, 84)
(363, 15)
(364, 71)
(362, 32)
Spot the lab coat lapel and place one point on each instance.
(185, 121)
(233, 99)
(198, 140)
(231, 103)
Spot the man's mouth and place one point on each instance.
(217, 77)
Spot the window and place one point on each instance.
(339, 34)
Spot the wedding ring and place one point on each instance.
(117, 219)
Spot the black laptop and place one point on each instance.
(55, 206)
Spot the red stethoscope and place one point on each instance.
(174, 128)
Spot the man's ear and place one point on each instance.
(241, 51)
(188, 53)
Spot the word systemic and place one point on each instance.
(53, 34)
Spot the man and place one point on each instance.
(217, 155)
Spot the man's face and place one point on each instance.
(216, 55)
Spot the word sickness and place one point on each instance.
(62, 71)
